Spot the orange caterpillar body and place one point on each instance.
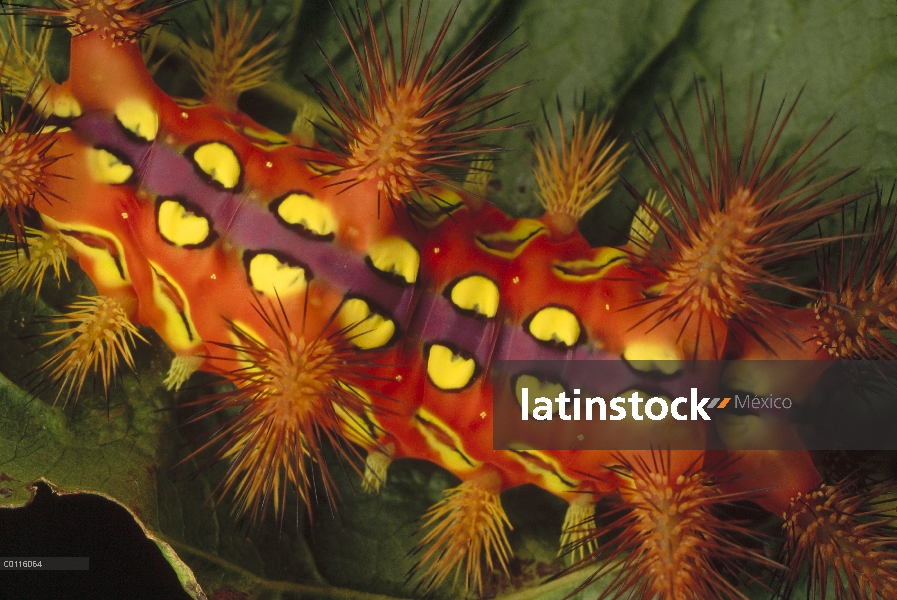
(358, 297)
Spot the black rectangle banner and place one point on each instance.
(43, 563)
(736, 405)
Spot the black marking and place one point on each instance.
(391, 277)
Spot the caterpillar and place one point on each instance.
(355, 286)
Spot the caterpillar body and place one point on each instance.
(357, 294)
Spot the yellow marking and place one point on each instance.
(321, 168)
(66, 107)
(545, 468)
(268, 164)
(219, 162)
(139, 118)
(555, 324)
(509, 244)
(312, 214)
(395, 255)
(476, 293)
(653, 356)
(437, 206)
(444, 441)
(268, 138)
(272, 277)
(447, 370)
(367, 329)
(105, 272)
(441, 200)
(105, 167)
(356, 427)
(188, 102)
(51, 129)
(180, 226)
(590, 270)
(177, 331)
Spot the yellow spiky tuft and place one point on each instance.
(575, 174)
(644, 225)
(291, 398)
(578, 531)
(99, 335)
(227, 63)
(182, 367)
(21, 269)
(477, 182)
(846, 533)
(121, 21)
(375, 466)
(464, 531)
(25, 69)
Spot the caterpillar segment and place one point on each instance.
(273, 262)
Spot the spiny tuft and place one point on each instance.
(292, 398)
(227, 62)
(464, 531)
(99, 335)
(575, 174)
(846, 533)
(22, 268)
(731, 233)
(25, 163)
(412, 126)
(665, 538)
(121, 21)
(856, 316)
